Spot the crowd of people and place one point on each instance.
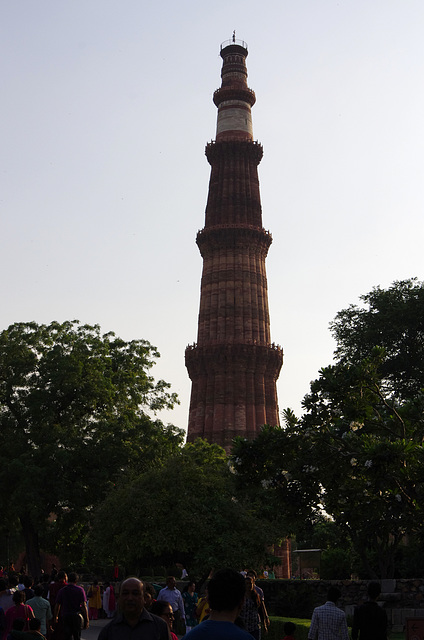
(232, 608)
(53, 607)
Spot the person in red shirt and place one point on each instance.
(289, 629)
(18, 610)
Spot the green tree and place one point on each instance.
(393, 319)
(73, 418)
(185, 511)
(357, 452)
(365, 448)
(269, 473)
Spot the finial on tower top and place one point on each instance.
(232, 41)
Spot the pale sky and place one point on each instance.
(106, 109)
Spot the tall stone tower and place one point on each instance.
(233, 366)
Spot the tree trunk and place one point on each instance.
(32, 548)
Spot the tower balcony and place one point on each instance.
(233, 41)
(231, 93)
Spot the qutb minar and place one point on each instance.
(233, 366)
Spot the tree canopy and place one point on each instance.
(74, 415)
(392, 319)
(357, 452)
(365, 449)
(188, 510)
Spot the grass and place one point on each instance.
(276, 629)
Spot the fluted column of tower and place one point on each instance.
(233, 366)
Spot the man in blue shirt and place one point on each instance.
(226, 591)
(41, 608)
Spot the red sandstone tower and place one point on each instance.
(233, 366)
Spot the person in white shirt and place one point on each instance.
(172, 595)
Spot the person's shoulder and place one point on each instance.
(104, 632)
(211, 629)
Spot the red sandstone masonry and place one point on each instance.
(233, 367)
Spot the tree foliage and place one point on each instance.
(74, 416)
(357, 452)
(365, 448)
(185, 511)
(269, 473)
(392, 319)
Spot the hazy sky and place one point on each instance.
(106, 109)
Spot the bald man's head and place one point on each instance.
(131, 598)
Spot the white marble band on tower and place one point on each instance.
(234, 116)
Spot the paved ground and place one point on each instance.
(94, 629)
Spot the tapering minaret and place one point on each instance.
(233, 366)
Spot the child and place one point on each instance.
(289, 629)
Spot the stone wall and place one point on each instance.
(401, 599)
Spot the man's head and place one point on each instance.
(38, 590)
(373, 590)
(28, 582)
(226, 590)
(131, 598)
(73, 577)
(34, 624)
(289, 628)
(171, 582)
(18, 624)
(333, 594)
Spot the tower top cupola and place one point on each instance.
(234, 99)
